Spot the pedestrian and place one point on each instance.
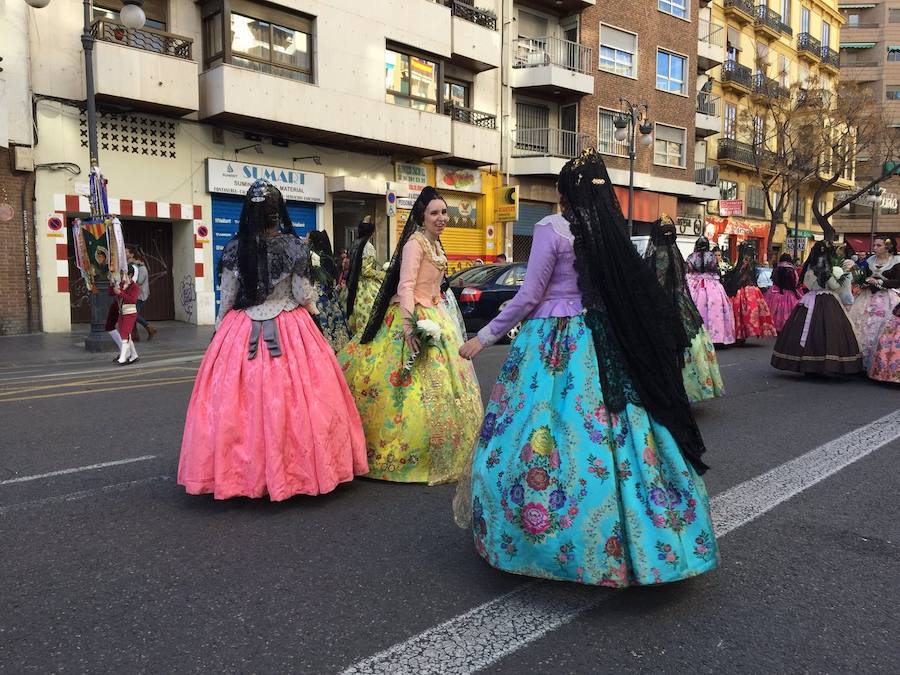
(587, 466)
(818, 338)
(364, 277)
(878, 295)
(783, 295)
(330, 319)
(752, 317)
(270, 413)
(127, 292)
(501, 259)
(418, 399)
(135, 256)
(698, 362)
(709, 296)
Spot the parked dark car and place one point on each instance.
(482, 292)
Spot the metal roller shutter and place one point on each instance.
(529, 214)
(226, 216)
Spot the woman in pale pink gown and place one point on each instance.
(708, 293)
(270, 413)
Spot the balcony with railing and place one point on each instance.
(831, 59)
(766, 87)
(706, 174)
(466, 10)
(737, 78)
(737, 153)
(547, 65)
(475, 138)
(476, 43)
(809, 48)
(545, 151)
(144, 68)
(766, 22)
(708, 115)
(710, 45)
(741, 11)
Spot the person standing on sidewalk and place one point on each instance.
(136, 257)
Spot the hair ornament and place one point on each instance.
(257, 191)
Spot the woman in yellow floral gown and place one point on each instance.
(364, 278)
(418, 399)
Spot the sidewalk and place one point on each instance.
(172, 338)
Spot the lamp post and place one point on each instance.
(633, 117)
(132, 16)
(795, 249)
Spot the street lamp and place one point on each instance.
(132, 16)
(633, 116)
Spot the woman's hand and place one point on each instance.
(471, 348)
(848, 265)
(412, 342)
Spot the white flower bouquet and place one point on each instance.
(836, 277)
(427, 332)
(315, 259)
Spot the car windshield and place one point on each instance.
(474, 275)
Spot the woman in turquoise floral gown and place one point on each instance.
(588, 464)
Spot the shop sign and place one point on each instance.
(506, 204)
(405, 202)
(731, 207)
(789, 243)
(414, 176)
(458, 178)
(234, 178)
(461, 211)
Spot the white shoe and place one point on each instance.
(124, 353)
(114, 334)
(132, 352)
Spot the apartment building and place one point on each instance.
(654, 55)
(337, 103)
(870, 53)
(769, 47)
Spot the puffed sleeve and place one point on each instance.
(302, 287)
(229, 284)
(541, 262)
(409, 273)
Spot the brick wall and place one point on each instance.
(653, 28)
(14, 265)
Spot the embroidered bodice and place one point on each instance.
(421, 272)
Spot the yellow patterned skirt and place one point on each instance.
(420, 427)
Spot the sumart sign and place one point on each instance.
(234, 178)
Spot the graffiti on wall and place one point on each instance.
(188, 296)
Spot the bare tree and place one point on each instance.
(854, 128)
(809, 136)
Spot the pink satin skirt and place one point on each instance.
(276, 426)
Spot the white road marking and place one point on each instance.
(81, 494)
(480, 637)
(77, 469)
(144, 362)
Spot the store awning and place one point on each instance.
(894, 48)
(864, 5)
(858, 45)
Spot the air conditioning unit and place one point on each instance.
(23, 157)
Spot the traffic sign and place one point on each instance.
(391, 201)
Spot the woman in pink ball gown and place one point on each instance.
(783, 295)
(270, 413)
(708, 293)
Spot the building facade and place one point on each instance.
(653, 56)
(770, 48)
(337, 103)
(870, 53)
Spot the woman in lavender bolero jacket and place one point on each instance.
(571, 478)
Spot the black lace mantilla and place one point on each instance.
(286, 254)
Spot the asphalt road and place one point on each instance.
(115, 569)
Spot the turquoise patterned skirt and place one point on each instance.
(563, 489)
